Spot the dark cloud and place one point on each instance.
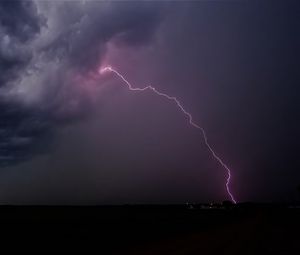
(21, 131)
(43, 46)
(19, 23)
(87, 29)
(20, 128)
(19, 19)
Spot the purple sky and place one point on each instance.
(69, 135)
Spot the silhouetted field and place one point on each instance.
(244, 229)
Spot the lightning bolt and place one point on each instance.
(186, 113)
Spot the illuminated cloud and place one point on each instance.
(44, 48)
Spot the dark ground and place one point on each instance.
(151, 229)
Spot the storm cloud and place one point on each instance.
(43, 46)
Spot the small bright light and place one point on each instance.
(105, 69)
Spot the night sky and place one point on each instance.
(69, 135)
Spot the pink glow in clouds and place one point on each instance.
(186, 113)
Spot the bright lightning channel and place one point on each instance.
(186, 113)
